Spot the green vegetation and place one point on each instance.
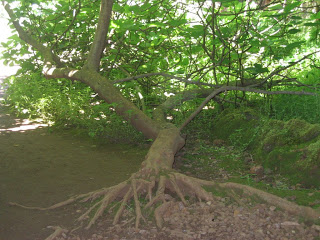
(229, 163)
(255, 66)
(289, 148)
(68, 105)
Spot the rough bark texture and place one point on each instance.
(99, 43)
(162, 152)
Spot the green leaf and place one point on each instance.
(196, 49)
(4, 44)
(176, 23)
(260, 69)
(145, 6)
(185, 62)
(126, 9)
(117, 8)
(257, 69)
(312, 24)
(196, 31)
(291, 6)
(293, 45)
(14, 37)
(254, 49)
(228, 3)
(294, 31)
(277, 6)
(255, 43)
(114, 25)
(226, 31)
(135, 9)
(316, 16)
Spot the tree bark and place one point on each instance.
(161, 154)
(99, 42)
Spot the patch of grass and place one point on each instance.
(216, 191)
(204, 160)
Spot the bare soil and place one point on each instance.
(39, 168)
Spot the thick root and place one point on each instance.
(290, 207)
(163, 187)
(58, 231)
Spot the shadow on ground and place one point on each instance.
(38, 168)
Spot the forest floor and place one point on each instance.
(40, 168)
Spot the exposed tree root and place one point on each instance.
(58, 231)
(162, 187)
(284, 204)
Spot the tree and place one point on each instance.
(194, 49)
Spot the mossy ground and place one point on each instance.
(289, 148)
(289, 152)
(226, 163)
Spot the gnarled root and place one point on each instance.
(283, 204)
(175, 183)
(58, 231)
(157, 191)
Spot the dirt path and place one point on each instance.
(38, 168)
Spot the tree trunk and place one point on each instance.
(161, 154)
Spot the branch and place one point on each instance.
(49, 56)
(108, 92)
(68, 73)
(171, 102)
(243, 89)
(181, 79)
(275, 72)
(99, 42)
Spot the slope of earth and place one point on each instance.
(39, 168)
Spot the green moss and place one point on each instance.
(216, 191)
(282, 160)
(301, 131)
(290, 148)
(313, 153)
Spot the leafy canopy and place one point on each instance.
(205, 43)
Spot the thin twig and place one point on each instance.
(181, 79)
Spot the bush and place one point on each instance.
(67, 104)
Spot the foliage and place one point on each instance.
(232, 42)
(67, 104)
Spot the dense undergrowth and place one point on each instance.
(67, 105)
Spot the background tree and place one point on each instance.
(146, 58)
